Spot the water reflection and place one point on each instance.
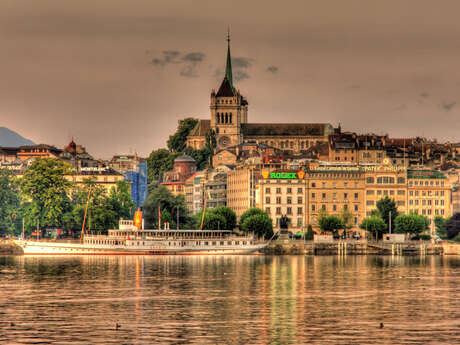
(229, 300)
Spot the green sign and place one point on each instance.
(283, 175)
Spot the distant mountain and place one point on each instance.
(9, 138)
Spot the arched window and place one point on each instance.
(218, 118)
(221, 117)
(226, 117)
(230, 118)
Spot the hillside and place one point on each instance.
(9, 138)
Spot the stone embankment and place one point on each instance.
(9, 248)
(294, 247)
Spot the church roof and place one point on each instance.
(226, 89)
(200, 130)
(284, 129)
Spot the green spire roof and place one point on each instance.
(228, 68)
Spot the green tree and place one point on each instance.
(453, 226)
(213, 221)
(330, 223)
(44, 191)
(250, 212)
(159, 161)
(385, 206)
(10, 215)
(260, 224)
(347, 219)
(121, 201)
(410, 223)
(170, 206)
(374, 225)
(229, 216)
(440, 224)
(178, 140)
(309, 235)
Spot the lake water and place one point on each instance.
(229, 300)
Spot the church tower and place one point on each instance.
(229, 109)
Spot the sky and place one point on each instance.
(118, 75)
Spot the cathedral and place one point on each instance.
(229, 120)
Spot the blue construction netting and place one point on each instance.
(138, 182)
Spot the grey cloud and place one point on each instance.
(169, 56)
(240, 75)
(272, 69)
(448, 106)
(241, 62)
(195, 57)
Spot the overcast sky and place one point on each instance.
(117, 75)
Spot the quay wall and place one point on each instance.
(9, 248)
(293, 247)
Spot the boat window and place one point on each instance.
(244, 242)
(222, 243)
(214, 243)
(237, 242)
(206, 243)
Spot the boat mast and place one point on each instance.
(84, 217)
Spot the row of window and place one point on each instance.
(334, 195)
(426, 202)
(385, 180)
(373, 202)
(288, 190)
(288, 200)
(334, 207)
(426, 193)
(226, 101)
(223, 118)
(426, 183)
(429, 212)
(385, 192)
(334, 185)
(288, 210)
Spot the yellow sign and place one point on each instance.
(265, 174)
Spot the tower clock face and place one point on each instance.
(224, 141)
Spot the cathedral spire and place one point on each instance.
(228, 68)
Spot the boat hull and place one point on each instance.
(55, 248)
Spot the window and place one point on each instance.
(442, 193)
(416, 202)
(312, 195)
(345, 195)
(392, 192)
(334, 184)
(289, 200)
(401, 180)
(324, 184)
(299, 222)
(356, 195)
(323, 195)
(278, 210)
(278, 190)
(289, 190)
(313, 208)
(323, 207)
(278, 200)
(267, 210)
(345, 207)
(356, 207)
(299, 210)
(379, 192)
(289, 210)
(267, 190)
(334, 195)
(400, 203)
(370, 202)
(385, 192)
(313, 185)
(334, 207)
(369, 192)
(299, 190)
(345, 184)
(299, 200)
(401, 192)
(267, 200)
(369, 180)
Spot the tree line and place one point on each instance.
(45, 198)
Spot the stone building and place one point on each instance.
(229, 119)
(174, 180)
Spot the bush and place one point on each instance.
(260, 224)
(425, 237)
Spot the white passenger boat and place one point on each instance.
(128, 239)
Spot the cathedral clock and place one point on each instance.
(224, 141)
